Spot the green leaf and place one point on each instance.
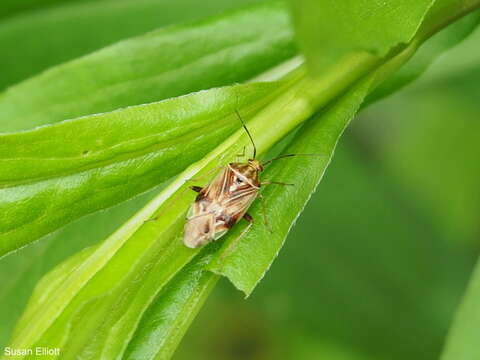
(74, 173)
(330, 30)
(97, 303)
(79, 27)
(325, 269)
(245, 262)
(112, 284)
(438, 44)
(244, 266)
(95, 299)
(104, 286)
(21, 270)
(107, 273)
(101, 140)
(55, 174)
(462, 341)
(70, 27)
(74, 28)
(245, 259)
(169, 316)
(162, 64)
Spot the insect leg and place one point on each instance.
(233, 245)
(196, 188)
(264, 212)
(275, 183)
(249, 218)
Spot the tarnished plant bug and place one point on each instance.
(226, 199)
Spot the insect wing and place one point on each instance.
(218, 207)
(218, 189)
(201, 224)
(237, 204)
(239, 194)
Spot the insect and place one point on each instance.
(225, 200)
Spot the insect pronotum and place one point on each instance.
(226, 199)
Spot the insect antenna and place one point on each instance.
(290, 155)
(248, 133)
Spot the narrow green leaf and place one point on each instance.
(245, 262)
(81, 158)
(162, 64)
(73, 29)
(55, 174)
(330, 30)
(118, 280)
(167, 319)
(21, 270)
(92, 303)
(76, 28)
(462, 342)
(438, 44)
(107, 288)
(101, 140)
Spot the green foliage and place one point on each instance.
(246, 264)
(326, 290)
(55, 174)
(114, 281)
(134, 295)
(79, 27)
(20, 271)
(331, 30)
(439, 43)
(166, 320)
(214, 52)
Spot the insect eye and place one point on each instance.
(239, 181)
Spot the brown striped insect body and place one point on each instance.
(225, 200)
(222, 203)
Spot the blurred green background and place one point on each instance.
(379, 260)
